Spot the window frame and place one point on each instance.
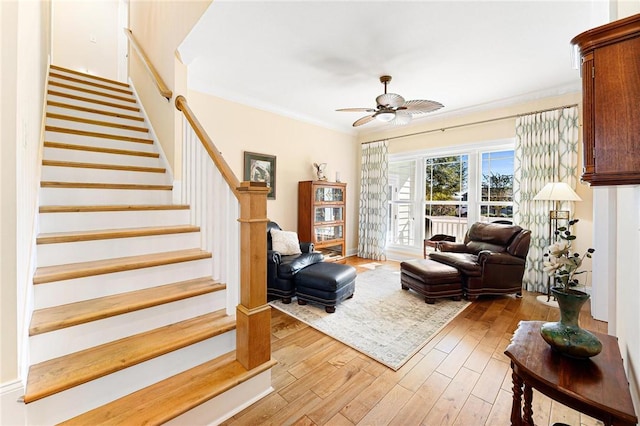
(474, 152)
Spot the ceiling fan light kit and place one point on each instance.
(392, 108)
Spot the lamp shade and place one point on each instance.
(557, 191)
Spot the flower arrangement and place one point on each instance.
(561, 262)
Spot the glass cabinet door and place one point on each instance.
(328, 214)
(329, 194)
(328, 233)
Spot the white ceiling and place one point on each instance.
(305, 59)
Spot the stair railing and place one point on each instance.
(155, 76)
(232, 218)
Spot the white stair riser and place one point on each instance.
(98, 141)
(104, 96)
(86, 221)
(103, 87)
(46, 346)
(78, 289)
(82, 398)
(85, 79)
(98, 128)
(80, 174)
(86, 251)
(81, 196)
(62, 154)
(97, 116)
(88, 104)
(227, 404)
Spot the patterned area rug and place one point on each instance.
(382, 321)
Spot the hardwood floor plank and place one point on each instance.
(491, 379)
(474, 412)
(501, 409)
(457, 357)
(324, 372)
(331, 405)
(369, 398)
(448, 406)
(416, 409)
(422, 370)
(388, 407)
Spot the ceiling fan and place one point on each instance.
(392, 108)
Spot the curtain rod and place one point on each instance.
(442, 129)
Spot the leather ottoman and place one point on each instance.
(431, 279)
(326, 284)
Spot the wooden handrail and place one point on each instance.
(214, 153)
(155, 76)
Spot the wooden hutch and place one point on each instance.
(321, 217)
(611, 102)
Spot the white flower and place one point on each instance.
(551, 265)
(559, 249)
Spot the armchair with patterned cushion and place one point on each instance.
(491, 259)
(286, 256)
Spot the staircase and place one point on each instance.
(128, 327)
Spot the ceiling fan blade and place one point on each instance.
(402, 118)
(363, 120)
(356, 110)
(421, 106)
(390, 100)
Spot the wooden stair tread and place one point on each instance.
(69, 315)
(97, 185)
(59, 163)
(61, 145)
(91, 76)
(69, 271)
(56, 116)
(97, 135)
(130, 99)
(106, 234)
(174, 396)
(91, 100)
(59, 374)
(126, 91)
(94, 111)
(112, 208)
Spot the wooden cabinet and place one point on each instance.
(321, 217)
(611, 102)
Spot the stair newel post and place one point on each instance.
(253, 314)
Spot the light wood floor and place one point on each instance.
(460, 377)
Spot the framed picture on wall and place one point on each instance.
(261, 168)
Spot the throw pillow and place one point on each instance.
(285, 242)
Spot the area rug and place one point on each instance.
(382, 321)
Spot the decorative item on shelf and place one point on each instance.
(556, 192)
(320, 168)
(566, 336)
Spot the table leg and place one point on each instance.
(528, 411)
(516, 414)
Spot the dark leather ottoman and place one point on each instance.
(431, 279)
(325, 283)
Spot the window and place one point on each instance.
(497, 186)
(474, 184)
(446, 194)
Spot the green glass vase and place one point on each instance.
(566, 336)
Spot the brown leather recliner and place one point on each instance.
(491, 259)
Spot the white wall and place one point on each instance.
(85, 36)
(25, 49)
(236, 128)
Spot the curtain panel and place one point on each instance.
(374, 198)
(546, 151)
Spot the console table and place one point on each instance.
(597, 387)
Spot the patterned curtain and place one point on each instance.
(546, 151)
(372, 227)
